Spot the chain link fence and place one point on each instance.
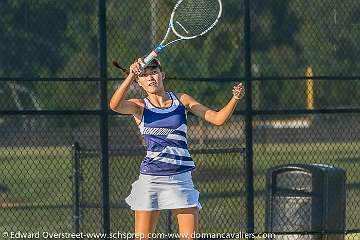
(67, 163)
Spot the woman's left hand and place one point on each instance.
(238, 91)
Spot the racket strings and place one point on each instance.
(194, 17)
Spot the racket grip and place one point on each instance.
(152, 55)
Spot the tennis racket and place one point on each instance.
(189, 19)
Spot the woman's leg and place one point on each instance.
(187, 220)
(145, 223)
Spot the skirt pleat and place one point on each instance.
(150, 193)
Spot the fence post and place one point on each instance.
(76, 186)
(248, 123)
(105, 213)
(309, 88)
(169, 222)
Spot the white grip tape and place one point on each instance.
(152, 55)
(148, 59)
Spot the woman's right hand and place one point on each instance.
(136, 68)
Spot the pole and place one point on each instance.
(105, 213)
(309, 88)
(169, 222)
(248, 123)
(76, 186)
(153, 13)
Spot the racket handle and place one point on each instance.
(152, 55)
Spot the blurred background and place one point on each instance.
(67, 162)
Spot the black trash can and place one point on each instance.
(305, 198)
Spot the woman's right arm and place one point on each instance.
(118, 102)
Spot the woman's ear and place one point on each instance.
(163, 75)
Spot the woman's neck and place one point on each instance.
(160, 100)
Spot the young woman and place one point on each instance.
(165, 180)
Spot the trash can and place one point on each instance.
(305, 198)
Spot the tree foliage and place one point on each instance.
(46, 38)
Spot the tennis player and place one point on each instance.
(165, 180)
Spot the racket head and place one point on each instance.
(193, 18)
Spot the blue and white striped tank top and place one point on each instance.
(165, 132)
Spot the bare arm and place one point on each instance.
(118, 102)
(217, 118)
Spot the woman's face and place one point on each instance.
(151, 80)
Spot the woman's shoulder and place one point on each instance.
(140, 103)
(183, 97)
(180, 95)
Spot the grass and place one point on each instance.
(38, 181)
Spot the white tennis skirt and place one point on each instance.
(151, 193)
